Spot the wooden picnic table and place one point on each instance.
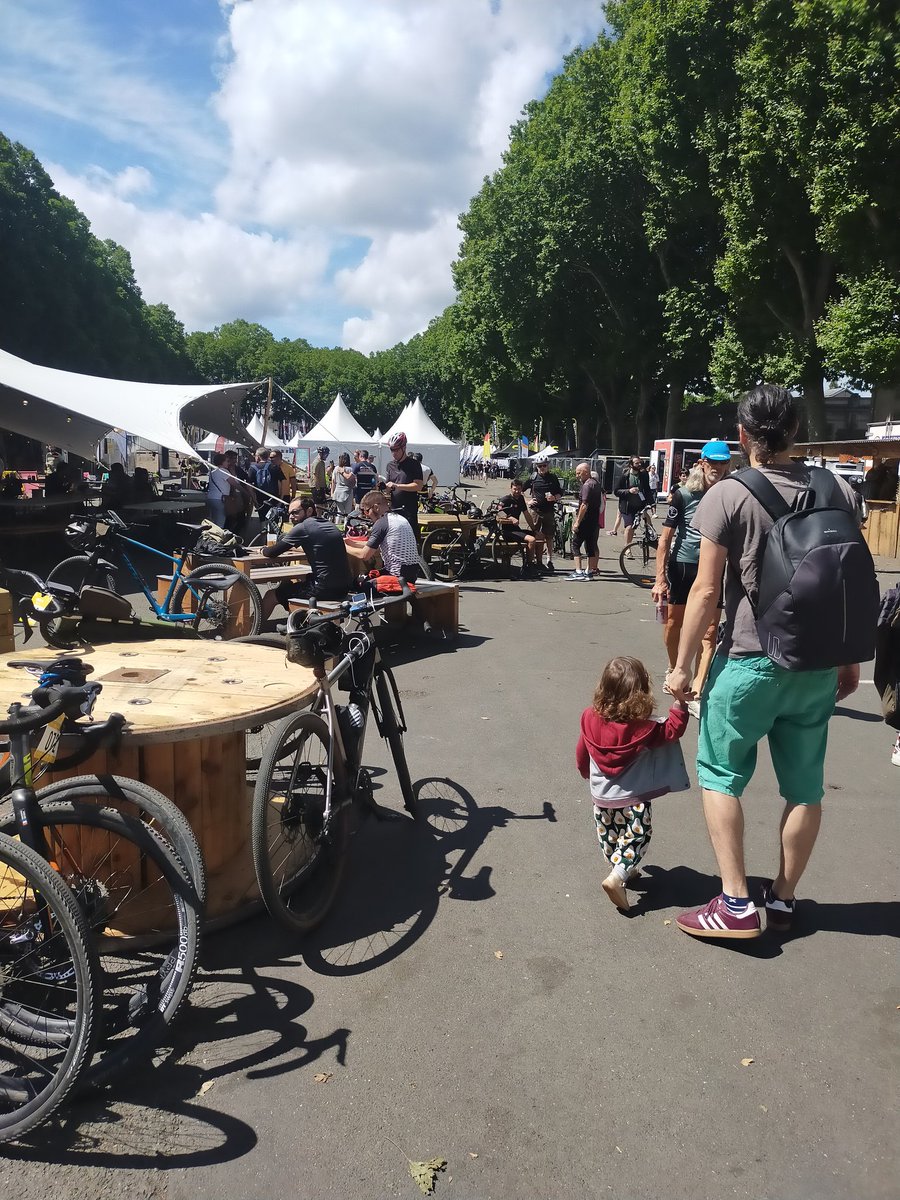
(190, 706)
(466, 525)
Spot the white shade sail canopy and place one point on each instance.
(339, 430)
(61, 408)
(422, 435)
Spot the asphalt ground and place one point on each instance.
(475, 997)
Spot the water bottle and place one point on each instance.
(662, 612)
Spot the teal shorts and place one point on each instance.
(747, 699)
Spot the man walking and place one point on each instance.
(634, 494)
(748, 696)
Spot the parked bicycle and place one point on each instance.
(637, 562)
(128, 857)
(452, 554)
(216, 601)
(311, 774)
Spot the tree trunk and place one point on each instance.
(584, 427)
(814, 398)
(674, 406)
(642, 417)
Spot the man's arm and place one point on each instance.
(703, 600)
(661, 587)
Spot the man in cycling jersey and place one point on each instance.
(392, 534)
(403, 480)
(511, 508)
(323, 544)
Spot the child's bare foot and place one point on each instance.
(615, 889)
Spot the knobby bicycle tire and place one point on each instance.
(50, 973)
(144, 915)
(641, 567)
(217, 607)
(77, 571)
(144, 802)
(444, 554)
(392, 726)
(298, 856)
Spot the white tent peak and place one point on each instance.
(419, 428)
(339, 430)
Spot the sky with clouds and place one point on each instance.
(301, 163)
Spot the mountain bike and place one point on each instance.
(133, 889)
(450, 555)
(637, 562)
(311, 773)
(50, 998)
(216, 601)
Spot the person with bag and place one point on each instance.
(634, 496)
(342, 483)
(801, 603)
(630, 759)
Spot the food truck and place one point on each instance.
(671, 455)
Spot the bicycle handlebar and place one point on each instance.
(37, 717)
(347, 609)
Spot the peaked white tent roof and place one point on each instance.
(61, 408)
(339, 430)
(272, 439)
(438, 451)
(212, 440)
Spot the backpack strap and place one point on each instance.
(764, 491)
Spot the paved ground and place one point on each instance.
(474, 995)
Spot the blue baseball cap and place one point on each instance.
(716, 451)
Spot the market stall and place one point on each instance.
(881, 488)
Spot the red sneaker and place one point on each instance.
(714, 920)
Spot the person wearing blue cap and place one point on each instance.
(677, 557)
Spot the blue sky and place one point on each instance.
(296, 162)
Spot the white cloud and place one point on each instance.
(207, 269)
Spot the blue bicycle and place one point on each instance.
(214, 599)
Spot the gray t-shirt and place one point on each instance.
(729, 516)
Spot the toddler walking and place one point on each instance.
(630, 759)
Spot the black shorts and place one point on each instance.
(516, 535)
(409, 572)
(680, 577)
(587, 535)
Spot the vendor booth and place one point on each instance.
(881, 489)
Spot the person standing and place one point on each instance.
(677, 556)
(342, 484)
(749, 697)
(288, 485)
(546, 489)
(653, 479)
(319, 476)
(218, 486)
(429, 479)
(586, 526)
(365, 475)
(634, 493)
(403, 480)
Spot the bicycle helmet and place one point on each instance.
(397, 440)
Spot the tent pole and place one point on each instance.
(268, 413)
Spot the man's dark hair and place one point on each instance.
(364, 454)
(768, 413)
(263, 453)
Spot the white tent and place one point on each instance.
(212, 440)
(422, 435)
(273, 440)
(339, 430)
(61, 408)
(547, 452)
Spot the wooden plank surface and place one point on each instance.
(206, 689)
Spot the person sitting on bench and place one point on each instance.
(323, 544)
(393, 535)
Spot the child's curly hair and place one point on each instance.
(623, 693)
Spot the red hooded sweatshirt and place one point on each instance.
(614, 745)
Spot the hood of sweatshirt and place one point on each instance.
(614, 745)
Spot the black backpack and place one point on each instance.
(818, 599)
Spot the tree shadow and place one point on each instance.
(398, 872)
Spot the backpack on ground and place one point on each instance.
(818, 601)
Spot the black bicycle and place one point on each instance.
(311, 773)
(451, 555)
(637, 561)
(126, 854)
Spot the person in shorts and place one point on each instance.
(677, 556)
(747, 696)
(510, 509)
(586, 526)
(634, 496)
(330, 576)
(545, 491)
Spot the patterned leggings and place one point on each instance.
(624, 833)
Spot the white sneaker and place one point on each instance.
(895, 754)
(577, 575)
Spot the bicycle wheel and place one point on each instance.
(144, 915)
(503, 553)
(222, 612)
(298, 852)
(77, 571)
(137, 800)
(392, 726)
(640, 568)
(444, 554)
(50, 997)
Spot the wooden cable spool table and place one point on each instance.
(189, 706)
